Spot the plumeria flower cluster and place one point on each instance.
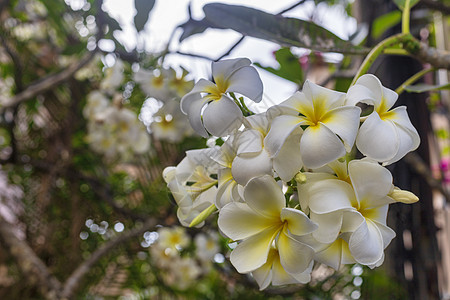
(166, 87)
(113, 130)
(283, 182)
(178, 268)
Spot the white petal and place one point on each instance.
(371, 182)
(330, 195)
(246, 167)
(387, 233)
(264, 195)
(372, 83)
(366, 244)
(344, 121)
(377, 139)
(224, 68)
(263, 275)
(222, 116)
(297, 222)
(291, 106)
(389, 97)
(360, 94)
(225, 193)
(289, 162)
(319, 146)
(295, 256)
(195, 94)
(194, 111)
(252, 253)
(407, 142)
(351, 220)
(238, 221)
(329, 226)
(280, 129)
(316, 92)
(249, 141)
(332, 255)
(246, 81)
(259, 122)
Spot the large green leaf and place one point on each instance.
(285, 31)
(422, 87)
(192, 27)
(290, 67)
(384, 22)
(143, 8)
(401, 3)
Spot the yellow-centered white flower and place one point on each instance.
(263, 222)
(221, 116)
(387, 134)
(329, 126)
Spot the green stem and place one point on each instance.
(405, 17)
(376, 51)
(394, 51)
(413, 79)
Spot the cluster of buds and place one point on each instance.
(284, 182)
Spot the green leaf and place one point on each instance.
(192, 27)
(422, 87)
(401, 3)
(286, 32)
(290, 67)
(384, 22)
(143, 8)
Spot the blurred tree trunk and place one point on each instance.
(413, 256)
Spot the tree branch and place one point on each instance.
(421, 168)
(47, 83)
(435, 57)
(74, 279)
(32, 267)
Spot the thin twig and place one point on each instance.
(75, 278)
(291, 7)
(195, 55)
(421, 168)
(47, 83)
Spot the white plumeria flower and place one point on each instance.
(206, 246)
(330, 127)
(96, 103)
(174, 238)
(273, 272)
(351, 210)
(170, 124)
(387, 134)
(179, 84)
(154, 83)
(221, 116)
(191, 184)
(252, 158)
(113, 77)
(264, 221)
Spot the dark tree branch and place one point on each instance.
(291, 7)
(48, 82)
(75, 278)
(32, 267)
(436, 58)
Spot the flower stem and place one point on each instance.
(413, 79)
(376, 51)
(405, 17)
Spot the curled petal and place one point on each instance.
(331, 99)
(371, 182)
(298, 222)
(221, 117)
(288, 162)
(246, 167)
(360, 94)
(366, 243)
(377, 139)
(281, 128)
(246, 81)
(252, 253)
(295, 256)
(319, 146)
(330, 195)
(194, 111)
(265, 196)
(225, 68)
(344, 121)
(239, 222)
(329, 226)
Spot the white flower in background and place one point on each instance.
(113, 77)
(273, 272)
(387, 134)
(182, 273)
(206, 246)
(330, 127)
(351, 212)
(263, 222)
(96, 104)
(174, 238)
(191, 184)
(221, 116)
(163, 257)
(170, 124)
(154, 83)
(179, 84)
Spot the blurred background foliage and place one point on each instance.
(84, 210)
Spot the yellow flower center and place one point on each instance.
(215, 91)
